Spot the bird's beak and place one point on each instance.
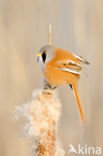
(39, 54)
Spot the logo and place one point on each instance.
(85, 150)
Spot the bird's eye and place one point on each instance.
(44, 56)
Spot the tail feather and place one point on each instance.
(76, 91)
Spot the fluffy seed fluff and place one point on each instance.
(41, 116)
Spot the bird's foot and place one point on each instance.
(48, 86)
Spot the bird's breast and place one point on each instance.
(58, 77)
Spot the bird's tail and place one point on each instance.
(80, 106)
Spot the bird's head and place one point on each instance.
(46, 54)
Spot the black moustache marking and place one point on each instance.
(44, 57)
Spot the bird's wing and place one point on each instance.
(70, 66)
(81, 59)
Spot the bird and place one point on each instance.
(62, 67)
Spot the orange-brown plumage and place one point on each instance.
(61, 67)
(54, 75)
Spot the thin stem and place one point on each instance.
(49, 41)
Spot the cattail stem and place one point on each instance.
(49, 41)
(41, 122)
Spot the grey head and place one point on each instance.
(45, 55)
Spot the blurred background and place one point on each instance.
(77, 25)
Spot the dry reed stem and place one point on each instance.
(49, 41)
(41, 121)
